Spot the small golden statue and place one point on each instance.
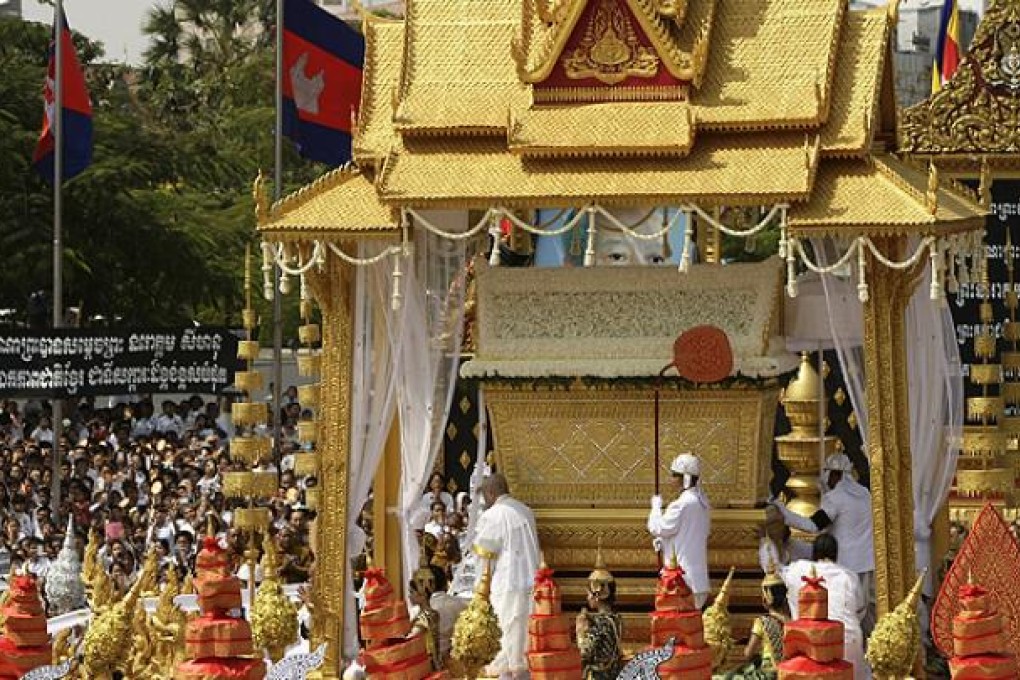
(476, 635)
(599, 628)
(426, 621)
(108, 634)
(166, 630)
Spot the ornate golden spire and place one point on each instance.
(896, 640)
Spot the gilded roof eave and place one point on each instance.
(341, 202)
(724, 170)
(770, 66)
(603, 129)
(384, 46)
(861, 61)
(881, 196)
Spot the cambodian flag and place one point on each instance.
(322, 66)
(76, 110)
(948, 50)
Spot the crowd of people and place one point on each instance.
(141, 478)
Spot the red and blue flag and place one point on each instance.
(323, 59)
(948, 50)
(76, 114)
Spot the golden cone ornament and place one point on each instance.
(896, 640)
(476, 635)
(718, 629)
(273, 616)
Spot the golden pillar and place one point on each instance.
(331, 288)
(386, 518)
(885, 370)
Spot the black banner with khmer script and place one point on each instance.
(75, 362)
(965, 304)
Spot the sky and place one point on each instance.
(118, 23)
(115, 23)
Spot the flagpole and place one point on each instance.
(58, 238)
(277, 297)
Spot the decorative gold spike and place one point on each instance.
(985, 184)
(932, 195)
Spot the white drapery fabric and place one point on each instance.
(935, 386)
(373, 403)
(427, 356)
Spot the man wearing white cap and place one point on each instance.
(846, 514)
(683, 529)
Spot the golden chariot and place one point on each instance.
(513, 106)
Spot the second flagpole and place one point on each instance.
(57, 122)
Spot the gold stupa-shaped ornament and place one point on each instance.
(896, 640)
(718, 629)
(984, 470)
(806, 446)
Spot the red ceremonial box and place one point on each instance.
(218, 646)
(978, 641)
(25, 644)
(675, 616)
(384, 624)
(813, 645)
(551, 656)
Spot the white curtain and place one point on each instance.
(427, 359)
(935, 386)
(372, 406)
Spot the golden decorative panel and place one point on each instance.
(978, 111)
(384, 53)
(594, 447)
(610, 51)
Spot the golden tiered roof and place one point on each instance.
(751, 102)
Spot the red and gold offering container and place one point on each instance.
(813, 646)
(551, 655)
(25, 644)
(675, 616)
(979, 645)
(384, 625)
(218, 646)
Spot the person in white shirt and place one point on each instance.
(44, 432)
(683, 528)
(437, 521)
(168, 421)
(507, 535)
(846, 601)
(436, 493)
(846, 515)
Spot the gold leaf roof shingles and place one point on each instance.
(384, 51)
(341, 201)
(458, 76)
(879, 196)
(724, 169)
(625, 128)
(770, 64)
(860, 62)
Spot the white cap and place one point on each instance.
(686, 464)
(838, 462)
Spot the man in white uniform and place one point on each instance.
(846, 515)
(683, 529)
(507, 535)
(846, 601)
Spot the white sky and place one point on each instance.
(118, 23)
(115, 23)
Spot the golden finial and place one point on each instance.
(541, 561)
(599, 562)
(932, 195)
(673, 560)
(896, 640)
(261, 199)
(893, 12)
(985, 184)
(210, 529)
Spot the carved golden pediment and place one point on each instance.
(978, 110)
(610, 51)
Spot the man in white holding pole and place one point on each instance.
(683, 528)
(846, 515)
(506, 535)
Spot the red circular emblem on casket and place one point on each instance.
(703, 355)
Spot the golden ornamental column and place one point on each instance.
(885, 370)
(331, 289)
